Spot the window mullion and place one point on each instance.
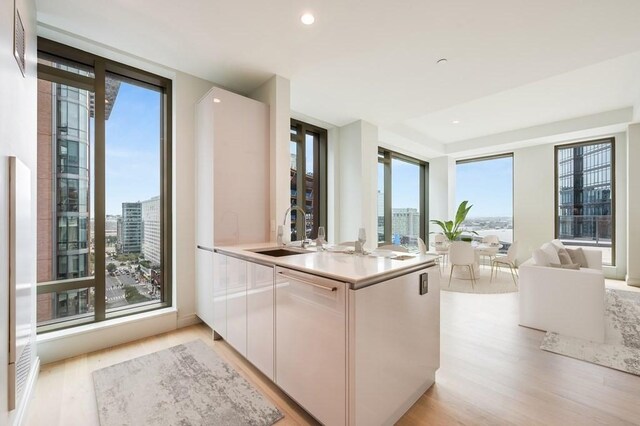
(302, 182)
(388, 211)
(99, 193)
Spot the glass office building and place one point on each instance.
(585, 193)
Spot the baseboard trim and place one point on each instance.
(21, 411)
(188, 320)
(634, 282)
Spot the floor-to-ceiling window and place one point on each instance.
(487, 183)
(585, 189)
(401, 199)
(308, 173)
(104, 173)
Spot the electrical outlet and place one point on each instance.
(424, 284)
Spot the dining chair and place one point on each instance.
(394, 247)
(441, 244)
(422, 247)
(506, 260)
(489, 252)
(462, 254)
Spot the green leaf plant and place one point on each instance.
(452, 228)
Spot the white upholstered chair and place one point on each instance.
(566, 301)
(489, 252)
(508, 260)
(441, 246)
(462, 254)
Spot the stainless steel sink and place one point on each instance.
(278, 252)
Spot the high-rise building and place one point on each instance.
(584, 192)
(151, 230)
(63, 195)
(405, 223)
(64, 204)
(111, 225)
(130, 226)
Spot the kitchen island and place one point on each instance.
(354, 339)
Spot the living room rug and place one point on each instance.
(503, 283)
(187, 384)
(621, 348)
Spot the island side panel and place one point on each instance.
(394, 346)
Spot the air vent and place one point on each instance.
(22, 371)
(19, 47)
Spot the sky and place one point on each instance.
(133, 147)
(488, 185)
(133, 163)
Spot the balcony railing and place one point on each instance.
(595, 230)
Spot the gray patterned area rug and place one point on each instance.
(621, 348)
(184, 385)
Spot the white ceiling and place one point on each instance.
(512, 63)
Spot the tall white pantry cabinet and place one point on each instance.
(232, 201)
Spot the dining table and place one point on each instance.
(479, 249)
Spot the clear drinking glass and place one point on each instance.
(321, 237)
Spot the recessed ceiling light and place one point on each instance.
(307, 18)
(441, 61)
(216, 100)
(455, 122)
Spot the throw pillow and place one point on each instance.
(540, 258)
(568, 266)
(551, 252)
(577, 256)
(563, 254)
(557, 244)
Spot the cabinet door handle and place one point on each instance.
(205, 248)
(311, 283)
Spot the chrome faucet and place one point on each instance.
(305, 240)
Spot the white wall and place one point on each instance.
(442, 191)
(275, 92)
(18, 118)
(187, 90)
(358, 169)
(633, 205)
(534, 200)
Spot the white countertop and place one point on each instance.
(357, 270)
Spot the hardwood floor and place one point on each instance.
(492, 373)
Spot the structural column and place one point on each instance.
(633, 205)
(358, 164)
(442, 191)
(276, 92)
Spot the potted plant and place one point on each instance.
(452, 228)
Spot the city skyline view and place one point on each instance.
(132, 147)
(488, 185)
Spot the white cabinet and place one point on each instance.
(220, 294)
(237, 304)
(311, 358)
(394, 346)
(232, 131)
(204, 285)
(260, 317)
(204, 174)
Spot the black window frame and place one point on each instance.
(505, 248)
(319, 172)
(612, 141)
(385, 157)
(48, 49)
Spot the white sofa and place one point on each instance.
(569, 302)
